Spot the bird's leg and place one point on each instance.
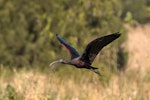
(94, 69)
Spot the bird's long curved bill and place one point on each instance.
(51, 64)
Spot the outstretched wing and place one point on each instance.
(95, 46)
(72, 51)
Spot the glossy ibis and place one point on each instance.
(86, 59)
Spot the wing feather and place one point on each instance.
(71, 50)
(94, 47)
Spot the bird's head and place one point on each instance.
(58, 61)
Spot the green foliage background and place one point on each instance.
(28, 28)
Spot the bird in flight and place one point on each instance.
(92, 49)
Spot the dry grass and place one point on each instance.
(139, 47)
(37, 86)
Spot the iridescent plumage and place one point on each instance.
(86, 59)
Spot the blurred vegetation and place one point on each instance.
(136, 11)
(28, 28)
(27, 40)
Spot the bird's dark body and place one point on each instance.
(77, 63)
(80, 64)
(86, 59)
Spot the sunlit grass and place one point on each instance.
(34, 85)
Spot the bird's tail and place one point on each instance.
(94, 69)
